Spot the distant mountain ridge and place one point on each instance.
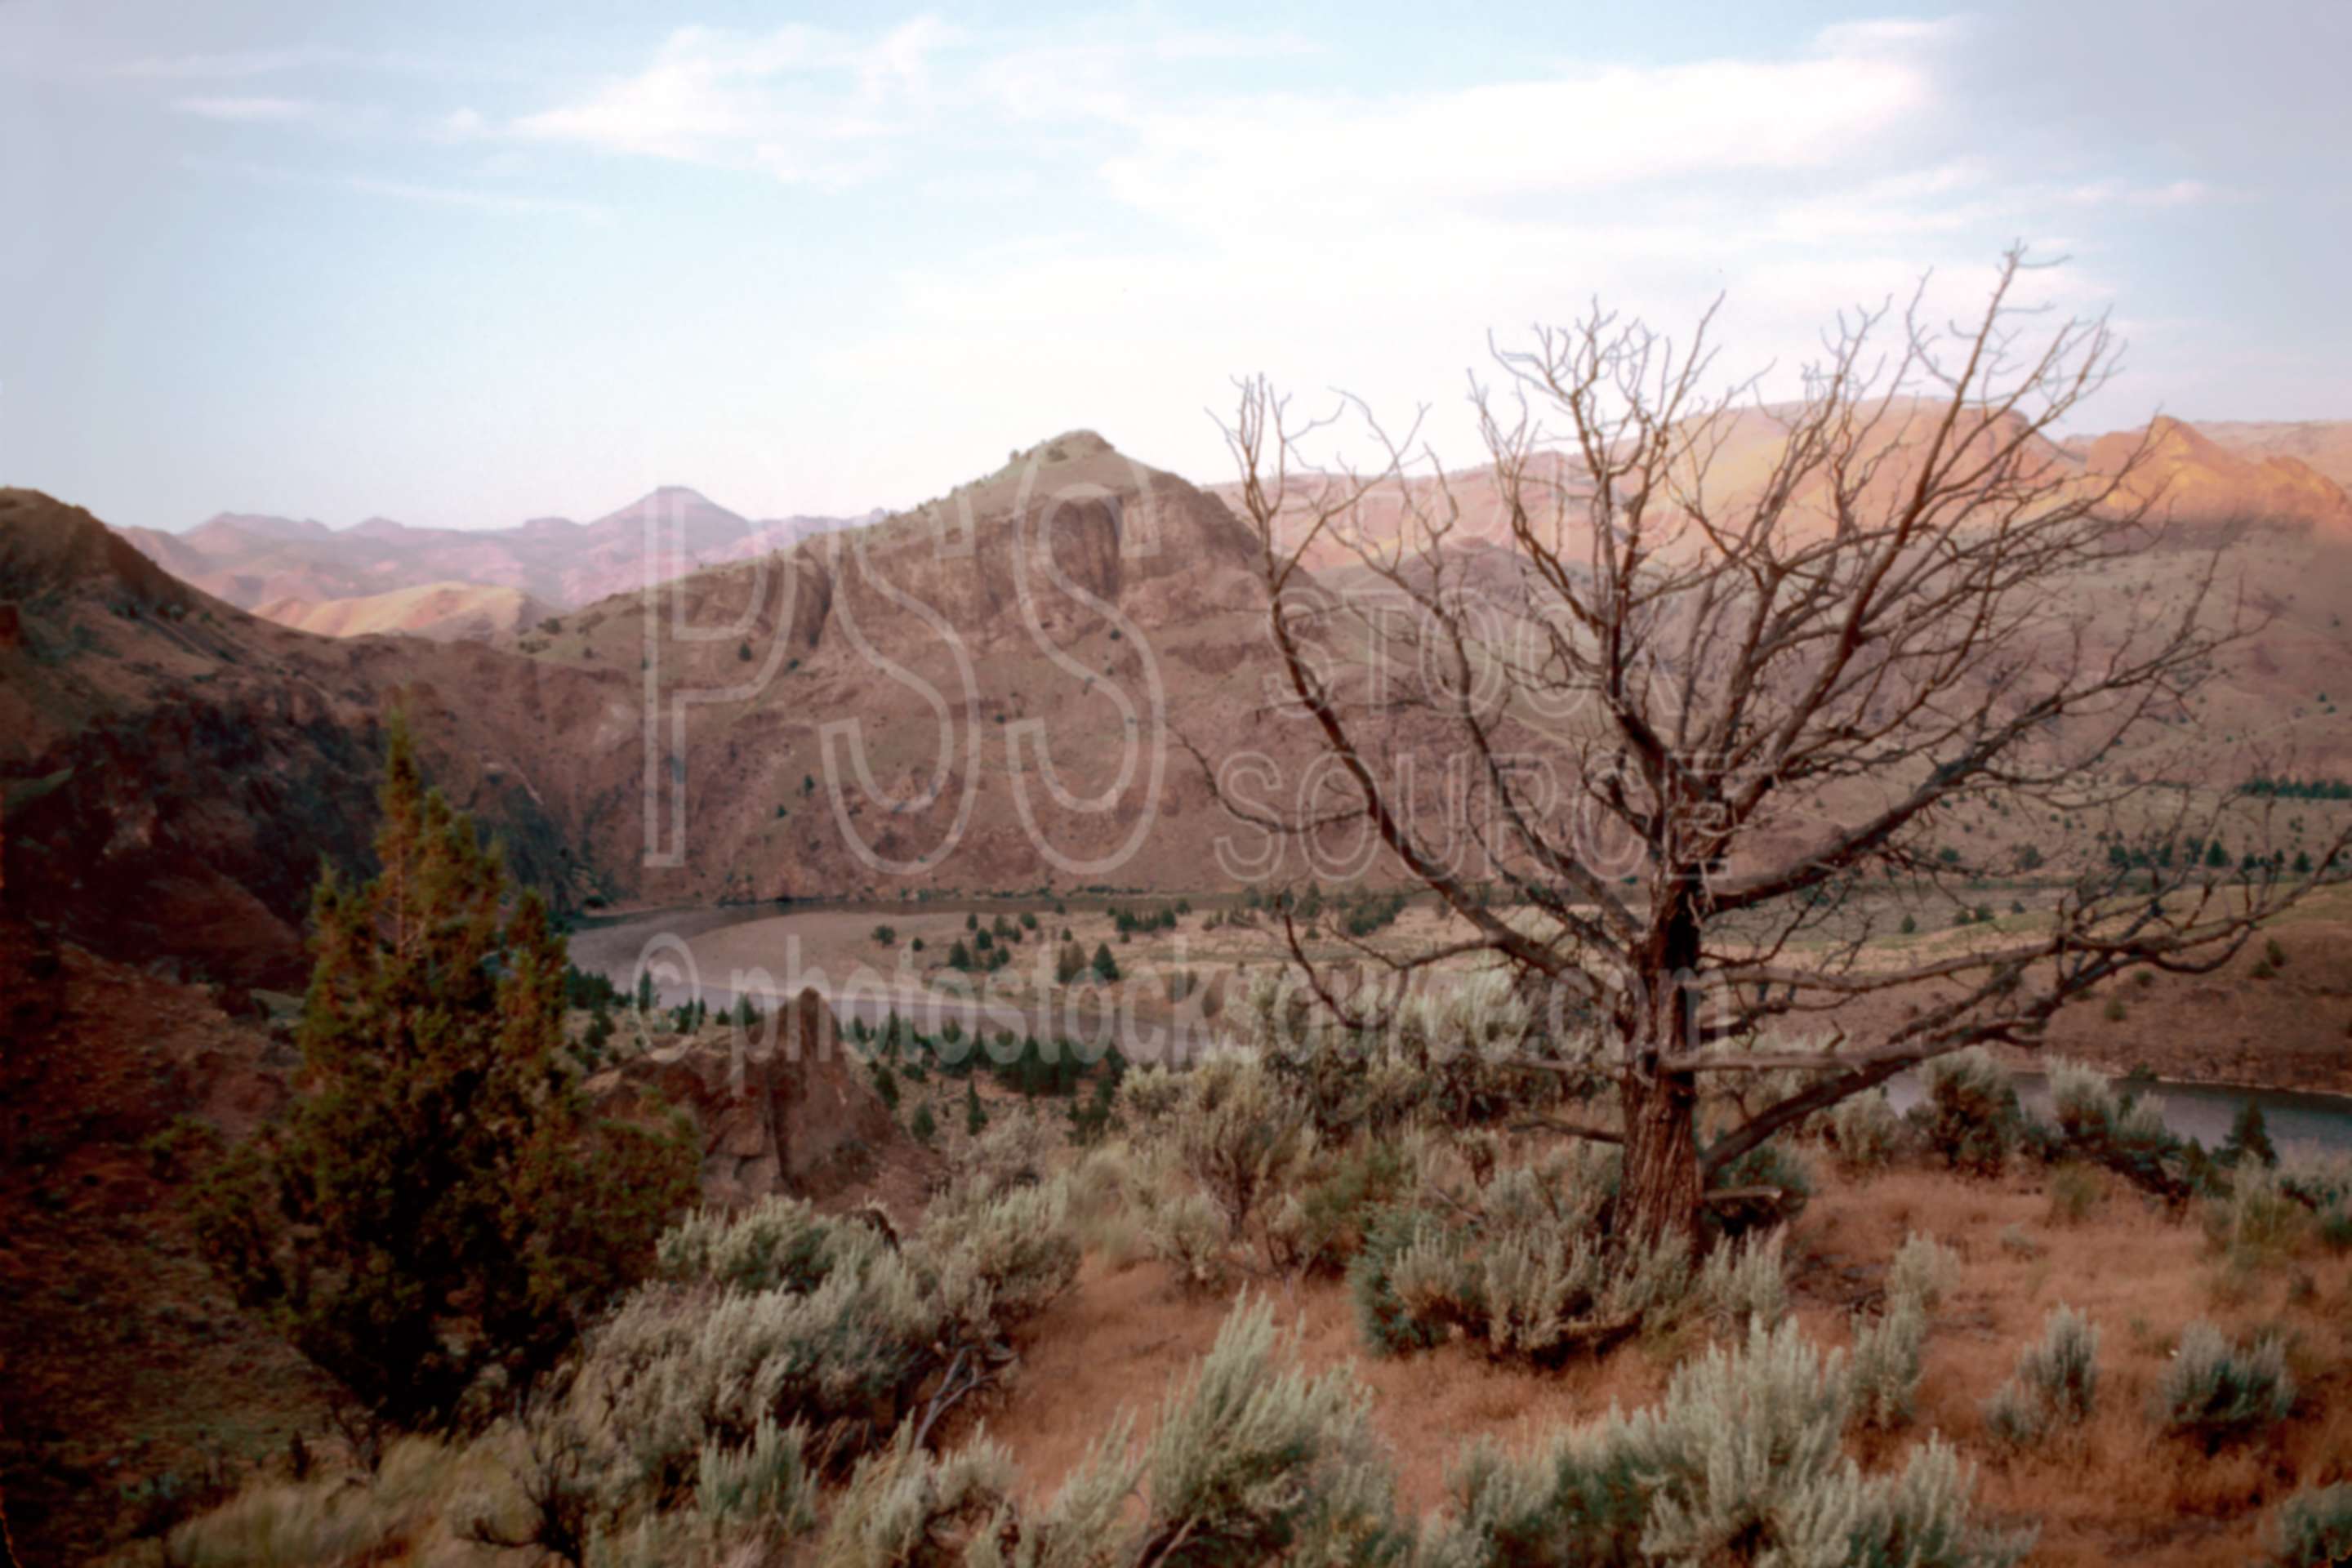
(256, 562)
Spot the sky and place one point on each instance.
(463, 265)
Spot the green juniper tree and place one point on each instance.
(440, 1204)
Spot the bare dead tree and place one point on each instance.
(1693, 714)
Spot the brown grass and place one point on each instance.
(2117, 1490)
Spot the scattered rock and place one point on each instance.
(791, 1113)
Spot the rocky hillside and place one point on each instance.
(985, 693)
(2193, 481)
(173, 769)
(2324, 445)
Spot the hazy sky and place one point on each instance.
(463, 263)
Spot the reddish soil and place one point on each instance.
(2118, 1491)
(134, 1385)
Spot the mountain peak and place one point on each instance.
(1070, 445)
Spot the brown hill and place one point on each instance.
(2323, 444)
(443, 612)
(251, 561)
(172, 769)
(1733, 456)
(2196, 482)
(980, 694)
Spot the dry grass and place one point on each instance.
(2112, 1491)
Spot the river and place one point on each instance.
(678, 946)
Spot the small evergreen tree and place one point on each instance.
(2250, 1137)
(440, 1201)
(600, 1032)
(975, 1118)
(1106, 966)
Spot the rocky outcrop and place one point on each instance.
(790, 1113)
(2192, 483)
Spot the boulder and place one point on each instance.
(788, 1110)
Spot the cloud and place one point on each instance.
(1578, 134)
(817, 105)
(801, 102)
(1333, 239)
(248, 110)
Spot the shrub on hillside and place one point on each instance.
(1741, 1462)
(2124, 1132)
(2220, 1392)
(2321, 1182)
(1229, 1126)
(787, 1315)
(1748, 1279)
(1970, 1114)
(2259, 1221)
(1321, 1227)
(1529, 1267)
(1444, 1058)
(1866, 1132)
(2314, 1528)
(1252, 1460)
(2056, 1383)
(1924, 1269)
(766, 1482)
(1885, 1366)
(1188, 1233)
(904, 1504)
(1386, 1324)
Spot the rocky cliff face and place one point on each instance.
(866, 711)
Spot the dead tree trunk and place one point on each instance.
(1662, 1188)
(1662, 1184)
